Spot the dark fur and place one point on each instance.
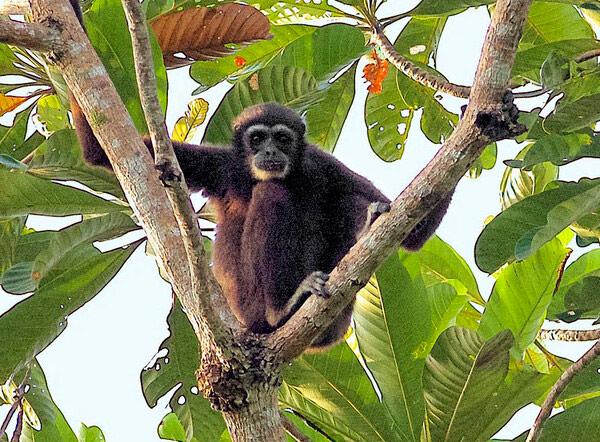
(272, 234)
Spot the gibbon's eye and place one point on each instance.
(257, 138)
(283, 137)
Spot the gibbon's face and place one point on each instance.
(270, 150)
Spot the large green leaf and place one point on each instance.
(54, 426)
(573, 300)
(326, 51)
(256, 56)
(439, 262)
(561, 149)
(462, 372)
(30, 271)
(91, 434)
(521, 295)
(389, 115)
(107, 30)
(30, 326)
(326, 119)
(282, 84)
(551, 27)
(394, 354)
(525, 226)
(22, 193)
(60, 158)
(12, 138)
(577, 424)
(192, 417)
(332, 391)
(574, 115)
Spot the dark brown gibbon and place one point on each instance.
(287, 212)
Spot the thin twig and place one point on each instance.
(16, 436)
(559, 386)
(569, 335)
(417, 73)
(18, 398)
(289, 426)
(31, 35)
(587, 55)
(172, 177)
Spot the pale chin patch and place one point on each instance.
(265, 175)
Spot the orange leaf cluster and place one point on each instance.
(375, 73)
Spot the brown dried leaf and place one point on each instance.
(9, 103)
(202, 33)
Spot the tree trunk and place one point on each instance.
(259, 420)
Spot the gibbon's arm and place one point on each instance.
(357, 193)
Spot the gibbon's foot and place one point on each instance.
(377, 208)
(315, 284)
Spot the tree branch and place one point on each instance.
(412, 70)
(559, 386)
(87, 78)
(202, 279)
(484, 121)
(587, 55)
(569, 335)
(293, 430)
(30, 35)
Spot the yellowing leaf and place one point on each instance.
(203, 33)
(9, 103)
(186, 126)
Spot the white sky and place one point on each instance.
(93, 368)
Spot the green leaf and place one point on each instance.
(90, 434)
(518, 184)
(192, 413)
(555, 70)
(12, 139)
(439, 262)
(462, 372)
(257, 56)
(576, 424)
(286, 85)
(391, 352)
(30, 326)
(485, 161)
(332, 391)
(85, 232)
(60, 158)
(522, 293)
(569, 117)
(326, 51)
(22, 193)
(562, 149)
(389, 115)
(326, 119)
(9, 234)
(574, 278)
(54, 426)
(107, 30)
(551, 27)
(525, 226)
(52, 114)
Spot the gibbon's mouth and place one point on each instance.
(271, 165)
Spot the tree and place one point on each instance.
(429, 358)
